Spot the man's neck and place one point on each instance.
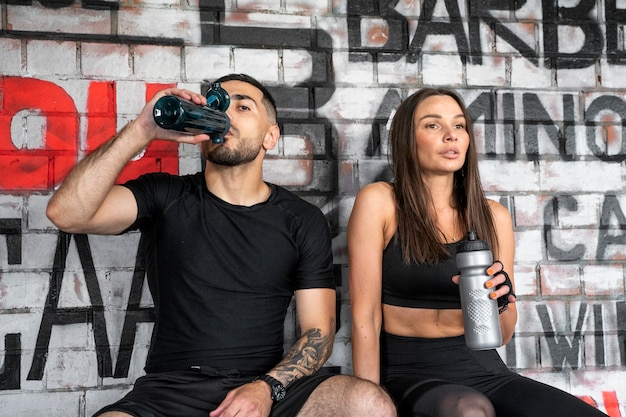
(242, 186)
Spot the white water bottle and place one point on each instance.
(480, 312)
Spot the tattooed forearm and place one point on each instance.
(306, 356)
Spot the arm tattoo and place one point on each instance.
(306, 356)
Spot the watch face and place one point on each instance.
(278, 392)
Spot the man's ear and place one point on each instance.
(271, 137)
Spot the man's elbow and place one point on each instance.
(61, 219)
(55, 214)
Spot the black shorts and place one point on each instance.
(412, 365)
(195, 394)
(448, 359)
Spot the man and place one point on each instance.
(225, 253)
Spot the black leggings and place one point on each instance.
(438, 398)
(443, 378)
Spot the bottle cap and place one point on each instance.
(168, 112)
(217, 98)
(472, 243)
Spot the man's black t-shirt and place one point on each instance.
(221, 275)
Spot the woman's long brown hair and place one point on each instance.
(421, 239)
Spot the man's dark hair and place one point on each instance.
(270, 104)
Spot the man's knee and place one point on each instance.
(348, 396)
(369, 397)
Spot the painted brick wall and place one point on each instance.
(543, 79)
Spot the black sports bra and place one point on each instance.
(419, 285)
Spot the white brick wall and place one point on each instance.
(346, 78)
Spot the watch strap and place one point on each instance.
(277, 387)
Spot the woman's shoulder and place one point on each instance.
(378, 188)
(499, 212)
(377, 195)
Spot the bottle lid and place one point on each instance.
(217, 98)
(472, 243)
(168, 112)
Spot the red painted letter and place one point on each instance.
(40, 167)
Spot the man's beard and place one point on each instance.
(221, 155)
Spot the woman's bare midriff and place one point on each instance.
(422, 322)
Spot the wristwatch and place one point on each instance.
(278, 389)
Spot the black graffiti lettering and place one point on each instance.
(579, 17)
(483, 107)
(508, 107)
(21, 2)
(480, 11)
(561, 133)
(56, 4)
(101, 4)
(11, 374)
(561, 349)
(615, 20)
(608, 234)
(535, 116)
(428, 26)
(610, 208)
(55, 316)
(596, 108)
(567, 145)
(397, 25)
(550, 214)
(397, 46)
(214, 33)
(564, 138)
(598, 333)
(390, 102)
(134, 314)
(12, 229)
(299, 102)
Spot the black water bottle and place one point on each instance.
(480, 312)
(171, 112)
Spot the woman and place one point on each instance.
(407, 331)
